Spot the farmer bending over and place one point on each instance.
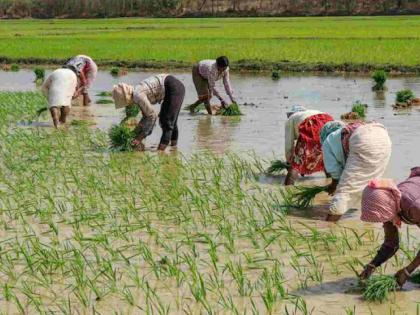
(86, 71)
(162, 88)
(387, 203)
(353, 155)
(304, 127)
(60, 88)
(205, 74)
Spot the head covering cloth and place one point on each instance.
(122, 95)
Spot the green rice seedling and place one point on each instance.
(39, 75)
(415, 278)
(278, 166)
(379, 76)
(404, 96)
(121, 137)
(115, 71)
(378, 288)
(104, 101)
(81, 123)
(196, 109)
(302, 196)
(359, 109)
(275, 74)
(132, 111)
(232, 110)
(14, 67)
(104, 94)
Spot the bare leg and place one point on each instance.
(208, 106)
(55, 114)
(291, 177)
(65, 110)
(86, 99)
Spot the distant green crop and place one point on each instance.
(359, 109)
(379, 76)
(404, 96)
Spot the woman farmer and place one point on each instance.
(60, 88)
(305, 157)
(86, 71)
(162, 88)
(353, 155)
(205, 74)
(384, 202)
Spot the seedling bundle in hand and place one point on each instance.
(379, 76)
(232, 110)
(121, 137)
(277, 166)
(378, 288)
(301, 197)
(193, 109)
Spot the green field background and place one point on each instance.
(337, 40)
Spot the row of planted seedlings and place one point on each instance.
(87, 229)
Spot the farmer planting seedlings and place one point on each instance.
(353, 155)
(60, 88)
(303, 126)
(390, 204)
(86, 70)
(162, 88)
(205, 74)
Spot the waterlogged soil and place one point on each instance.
(261, 130)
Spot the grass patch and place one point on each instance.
(378, 288)
(379, 77)
(14, 68)
(404, 96)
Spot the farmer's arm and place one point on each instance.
(289, 139)
(228, 86)
(387, 250)
(212, 88)
(83, 80)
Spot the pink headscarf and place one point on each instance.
(380, 201)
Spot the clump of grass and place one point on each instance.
(39, 74)
(198, 108)
(104, 94)
(302, 197)
(360, 109)
(115, 71)
(404, 96)
(277, 166)
(15, 67)
(415, 278)
(104, 101)
(379, 76)
(81, 123)
(232, 110)
(121, 137)
(275, 74)
(378, 287)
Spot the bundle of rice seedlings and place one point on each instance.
(104, 94)
(121, 137)
(232, 110)
(275, 74)
(379, 76)
(15, 67)
(404, 96)
(303, 196)
(360, 109)
(277, 166)
(196, 109)
(415, 278)
(378, 287)
(39, 74)
(104, 101)
(81, 123)
(132, 111)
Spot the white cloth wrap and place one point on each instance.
(60, 87)
(369, 154)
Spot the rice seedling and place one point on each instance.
(378, 287)
(278, 166)
(14, 67)
(39, 75)
(301, 197)
(104, 94)
(196, 109)
(121, 137)
(81, 123)
(404, 96)
(232, 110)
(132, 111)
(359, 109)
(380, 77)
(275, 74)
(115, 71)
(104, 101)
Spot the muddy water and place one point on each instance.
(261, 130)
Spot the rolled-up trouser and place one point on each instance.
(201, 84)
(169, 111)
(369, 154)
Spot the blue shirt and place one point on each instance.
(334, 158)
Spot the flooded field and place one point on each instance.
(230, 259)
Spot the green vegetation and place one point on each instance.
(378, 288)
(275, 74)
(379, 41)
(14, 67)
(278, 166)
(232, 110)
(39, 75)
(115, 71)
(415, 278)
(379, 76)
(80, 123)
(104, 101)
(301, 197)
(121, 137)
(196, 109)
(359, 109)
(104, 94)
(404, 96)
